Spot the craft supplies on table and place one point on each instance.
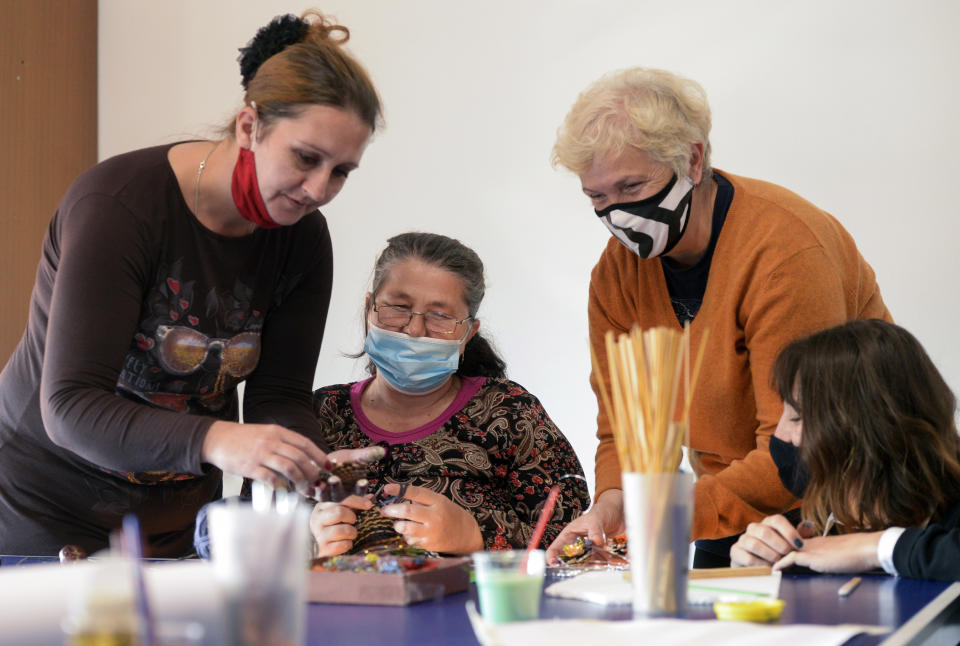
(394, 586)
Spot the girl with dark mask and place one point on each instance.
(868, 438)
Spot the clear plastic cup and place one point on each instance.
(509, 584)
(261, 559)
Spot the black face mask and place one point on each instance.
(652, 227)
(793, 473)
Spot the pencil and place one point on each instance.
(847, 588)
(724, 572)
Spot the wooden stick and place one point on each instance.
(641, 399)
(607, 407)
(847, 588)
(724, 572)
(618, 406)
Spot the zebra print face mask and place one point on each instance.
(652, 227)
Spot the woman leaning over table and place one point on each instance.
(868, 437)
(168, 275)
(477, 452)
(748, 261)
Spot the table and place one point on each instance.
(918, 612)
(879, 601)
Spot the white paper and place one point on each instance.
(663, 632)
(33, 599)
(611, 588)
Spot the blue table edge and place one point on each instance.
(926, 619)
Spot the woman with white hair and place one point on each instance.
(751, 262)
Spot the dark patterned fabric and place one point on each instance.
(496, 457)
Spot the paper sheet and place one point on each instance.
(33, 599)
(611, 588)
(663, 632)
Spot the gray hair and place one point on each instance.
(651, 110)
(439, 251)
(480, 358)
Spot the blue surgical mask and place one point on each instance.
(412, 365)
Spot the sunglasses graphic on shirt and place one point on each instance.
(183, 351)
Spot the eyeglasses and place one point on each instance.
(400, 317)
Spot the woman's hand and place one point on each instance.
(434, 522)
(333, 524)
(366, 455)
(766, 542)
(604, 519)
(836, 554)
(266, 452)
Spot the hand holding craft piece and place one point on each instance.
(432, 521)
(347, 476)
(346, 519)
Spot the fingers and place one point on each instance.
(333, 548)
(579, 527)
(763, 544)
(357, 502)
(294, 463)
(785, 529)
(741, 556)
(596, 534)
(554, 550)
(274, 479)
(367, 454)
(327, 514)
(314, 457)
(806, 529)
(332, 526)
(406, 511)
(266, 452)
(777, 532)
(409, 530)
(415, 520)
(789, 560)
(420, 495)
(251, 449)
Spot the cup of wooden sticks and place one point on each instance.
(658, 508)
(645, 380)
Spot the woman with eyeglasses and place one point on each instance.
(868, 439)
(475, 452)
(168, 276)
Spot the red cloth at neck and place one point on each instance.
(246, 192)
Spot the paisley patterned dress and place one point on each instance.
(494, 451)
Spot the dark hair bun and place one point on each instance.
(271, 39)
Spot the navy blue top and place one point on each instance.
(687, 285)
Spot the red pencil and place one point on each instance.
(545, 514)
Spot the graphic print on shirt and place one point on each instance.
(192, 347)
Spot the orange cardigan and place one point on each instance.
(782, 269)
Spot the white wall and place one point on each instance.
(851, 104)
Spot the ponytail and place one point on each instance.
(481, 360)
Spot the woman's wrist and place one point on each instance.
(211, 440)
(609, 502)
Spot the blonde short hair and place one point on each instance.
(651, 110)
